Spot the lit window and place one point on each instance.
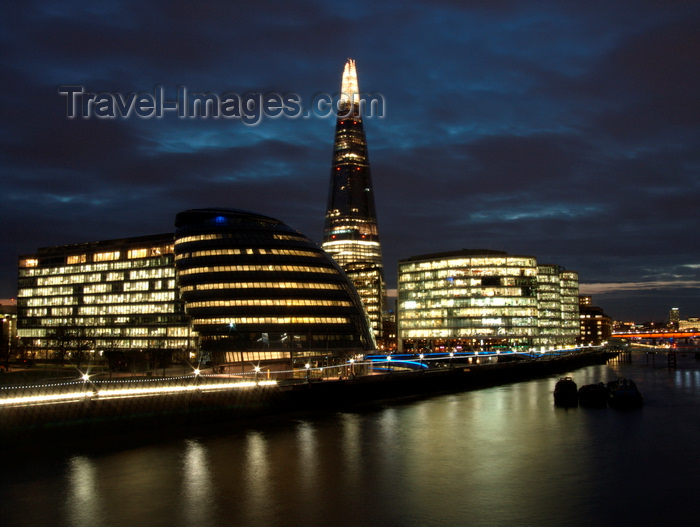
(103, 257)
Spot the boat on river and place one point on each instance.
(623, 393)
(566, 392)
(594, 395)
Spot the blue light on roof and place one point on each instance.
(220, 220)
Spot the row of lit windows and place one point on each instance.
(471, 312)
(45, 291)
(259, 285)
(474, 282)
(487, 262)
(270, 320)
(198, 238)
(483, 332)
(156, 296)
(106, 331)
(52, 301)
(465, 291)
(365, 245)
(119, 309)
(98, 320)
(79, 278)
(548, 295)
(115, 255)
(467, 302)
(126, 309)
(127, 298)
(129, 286)
(469, 322)
(229, 252)
(447, 274)
(269, 302)
(221, 236)
(97, 267)
(258, 268)
(550, 309)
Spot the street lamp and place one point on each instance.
(388, 359)
(257, 370)
(308, 369)
(421, 356)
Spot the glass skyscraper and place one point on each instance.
(351, 235)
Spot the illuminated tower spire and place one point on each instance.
(351, 235)
(349, 90)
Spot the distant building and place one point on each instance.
(351, 235)
(482, 299)
(674, 317)
(595, 326)
(116, 298)
(8, 332)
(557, 303)
(689, 323)
(260, 292)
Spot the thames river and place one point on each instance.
(498, 456)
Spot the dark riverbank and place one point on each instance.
(177, 412)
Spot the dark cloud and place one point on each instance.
(569, 131)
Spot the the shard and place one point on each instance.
(351, 235)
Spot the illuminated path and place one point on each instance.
(158, 406)
(97, 390)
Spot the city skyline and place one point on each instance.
(565, 132)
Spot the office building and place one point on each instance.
(674, 317)
(351, 235)
(115, 299)
(482, 299)
(595, 326)
(259, 292)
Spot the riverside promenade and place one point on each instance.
(127, 404)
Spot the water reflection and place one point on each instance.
(197, 490)
(83, 500)
(256, 480)
(498, 456)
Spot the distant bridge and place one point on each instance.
(657, 335)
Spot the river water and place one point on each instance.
(498, 456)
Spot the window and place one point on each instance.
(103, 257)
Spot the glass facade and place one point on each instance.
(259, 291)
(483, 300)
(351, 235)
(107, 297)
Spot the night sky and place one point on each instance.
(569, 131)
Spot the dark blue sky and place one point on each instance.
(565, 130)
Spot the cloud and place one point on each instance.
(568, 131)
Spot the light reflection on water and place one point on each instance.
(83, 502)
(197, 487)
(498, 456)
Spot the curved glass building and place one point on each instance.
(259, 291)
(482, 299)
